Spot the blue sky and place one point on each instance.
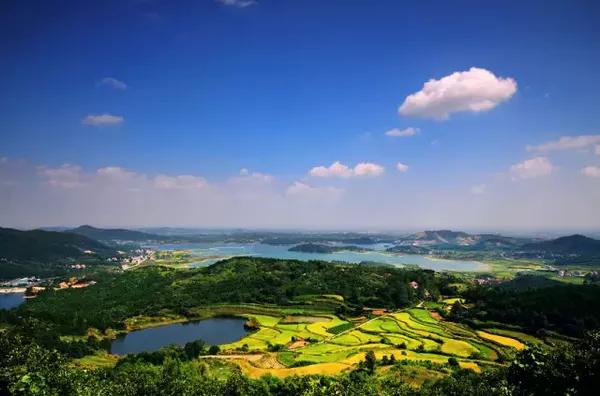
(204, 88)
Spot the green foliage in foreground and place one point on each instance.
(152, 291)
(28, 369)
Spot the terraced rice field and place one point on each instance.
(412, 334)
(502, 340)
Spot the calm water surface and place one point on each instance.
(209, 253)
(11, 300)
(213, 331)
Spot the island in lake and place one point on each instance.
(323, 248)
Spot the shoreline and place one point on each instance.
(12, 290)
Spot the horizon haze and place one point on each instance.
(301, 115)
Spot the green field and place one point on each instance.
(412, 335)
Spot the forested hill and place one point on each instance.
(151, 290)
(46, 245)
(113, 234)
(574, 244)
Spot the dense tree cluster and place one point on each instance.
(150, 291)
(569, 309)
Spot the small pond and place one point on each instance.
(11, 300)
(213, 331)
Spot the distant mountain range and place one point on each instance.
(45, 251)
(114, 234)
(573, 244)
(462, 239)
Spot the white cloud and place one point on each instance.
(116, 173)
(401, 167)
(478, 189)
(368, 169)
(64, 176)
(395, 132)
(303, 190)
(238, 3)
(597, 150)
(102, 120)
(181, 182)
(113, 83)
(568, 143)
(560, 202)
(535, 167)
(474, 90)
(337, 169)
(591, 171)
(247, 177)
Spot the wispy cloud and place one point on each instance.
(64, 176)
(304, 191)
(238, 3)
(531, 168)
(181, 182)
(478, 189)
(396, 132)
(591, 171)
(102, 120)
(337, 169)
(113, 83)
(400, 167)
(475, 90)
(567, 143)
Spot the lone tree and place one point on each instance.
(370, 362)
(452, 362)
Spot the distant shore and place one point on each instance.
(7, 290)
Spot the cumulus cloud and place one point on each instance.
(406, 132)
(238, 3)
(478, 189)
(64, 176)
(475, 90)
(180, 182)
(401, 167)
(102, 120)
(567, 143)
(368, 169)
(591, 171)
(337, 169)
(535, 167)
(113, 83)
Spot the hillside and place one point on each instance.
(46, 245)
(45, 253)
(440, 237)
(459, 239)
(113, 234)
(573, 244)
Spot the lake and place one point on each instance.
(11, 300)
(209, 253)
(213, 331)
